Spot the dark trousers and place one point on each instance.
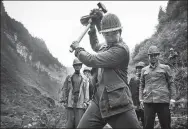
(92, 119)
(73, 117)
(140, 115)
(163, 112)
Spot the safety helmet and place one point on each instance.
(87, 69)
(76, 61)
(153, 50)
(110, 22)
(140, 64)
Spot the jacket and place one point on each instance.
(68, 97)
(114, 96)
(134, 88)
(156, 84)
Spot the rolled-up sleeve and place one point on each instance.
(171, 85)
(110, 58)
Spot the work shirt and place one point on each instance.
(112, 93)
(76, 81)
(156, 84)
(75, 93)
(91, 87)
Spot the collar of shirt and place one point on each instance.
(153, 66)
(76, 73)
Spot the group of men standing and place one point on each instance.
(103, 94)
(153, 91)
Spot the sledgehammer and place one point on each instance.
(87, 20)
(82, 35)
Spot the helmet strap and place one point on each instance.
(120, 31)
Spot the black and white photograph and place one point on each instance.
(94, 64)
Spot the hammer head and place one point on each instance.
(96, 16)
(102, 7)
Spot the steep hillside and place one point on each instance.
(30, 78)
(171, 32)
(70, 70)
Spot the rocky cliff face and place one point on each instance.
(53, 71)
(31, 78)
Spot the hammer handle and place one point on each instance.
(83, 33)
(81, 36)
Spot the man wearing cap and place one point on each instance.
(75, 95)
(112, 102)
(156, 91)
(134, 88)
(173, 58)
